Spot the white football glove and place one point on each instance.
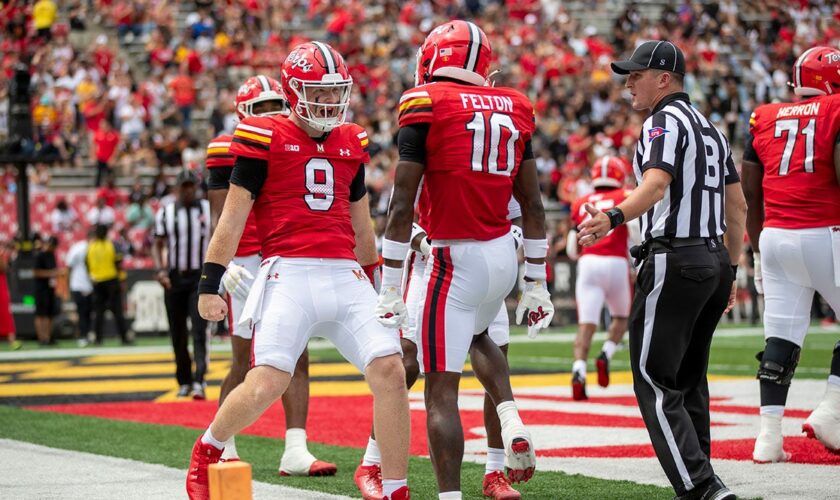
(537, 301)
(237, 281)
(390, 309)
(757, 277)
(516, 232)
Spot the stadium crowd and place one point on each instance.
(95, 106)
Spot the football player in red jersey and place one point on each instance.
(258, 96)
(791, 178)
(304, 178)
(603, 274)
(470, 143)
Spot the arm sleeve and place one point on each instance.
(219, 177)
(662, 135)
(411, 141)
(249, 173)
(749, 150)
(528, 154)
(358, 190)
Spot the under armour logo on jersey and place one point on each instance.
(343, 152)
(320, 148)
(535, 317)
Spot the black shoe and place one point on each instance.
(711, 489)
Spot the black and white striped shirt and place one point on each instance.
(187, 231)
(678, 139)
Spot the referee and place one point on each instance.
(689, 196)
(182, 229)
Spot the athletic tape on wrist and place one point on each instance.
(395, 250)
(391, 277)
(535, 272)
(535, 249)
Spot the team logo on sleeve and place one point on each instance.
(656, 132)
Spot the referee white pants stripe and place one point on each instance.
(650, 314)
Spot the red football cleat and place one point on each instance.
(497, 487)
(578, 387)
(368, 479)
(400, 494)
(603, 366)
(198, 485)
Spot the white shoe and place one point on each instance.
(299, 462)
(768, 444)
(824, 422)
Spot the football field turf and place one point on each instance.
(122, 405)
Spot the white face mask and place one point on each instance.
(323, 105)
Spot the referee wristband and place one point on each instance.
(616, 216)
(395, 250)
(211, 277)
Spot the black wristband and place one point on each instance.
(734, 269)
(616, 217)
(211, 277)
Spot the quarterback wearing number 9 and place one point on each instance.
(304, 177)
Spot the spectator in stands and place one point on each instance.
(110, 192)
(63, 217)
(101, 214)
(183, 94)
(39, 178)
(103, 263)
(105, 143)
(44, 14)
(7, 322)
(140, 214)
(47, 304)
(81, 288)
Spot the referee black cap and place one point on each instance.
(653, 54)
(186, 176)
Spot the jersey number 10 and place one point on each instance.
(792, 129)
(485, 148)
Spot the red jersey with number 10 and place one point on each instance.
(218, 155)
(476, 141)
(614, 244)
(303, 208)
(795, 144)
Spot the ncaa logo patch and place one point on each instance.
(656, 132)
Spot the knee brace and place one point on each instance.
(778, 361)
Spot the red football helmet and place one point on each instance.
(608, 172)
(317, 84)
(817, 72)
(256, 89)
(458, 50)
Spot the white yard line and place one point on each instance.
(37, 472)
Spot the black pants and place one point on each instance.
(182, 302)
(680, 296)
(84, 307)
(107, 295)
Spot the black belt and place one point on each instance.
(665, 244)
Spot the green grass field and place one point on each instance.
(733, 353)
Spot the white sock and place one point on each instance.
(833, 380)
(208, 438)
(609, 348)
(389, 486)
(777, 410)
(450, 495)
(295, 438)
(495, 460)
(372, 455)
(230, 450)
(579, 366)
